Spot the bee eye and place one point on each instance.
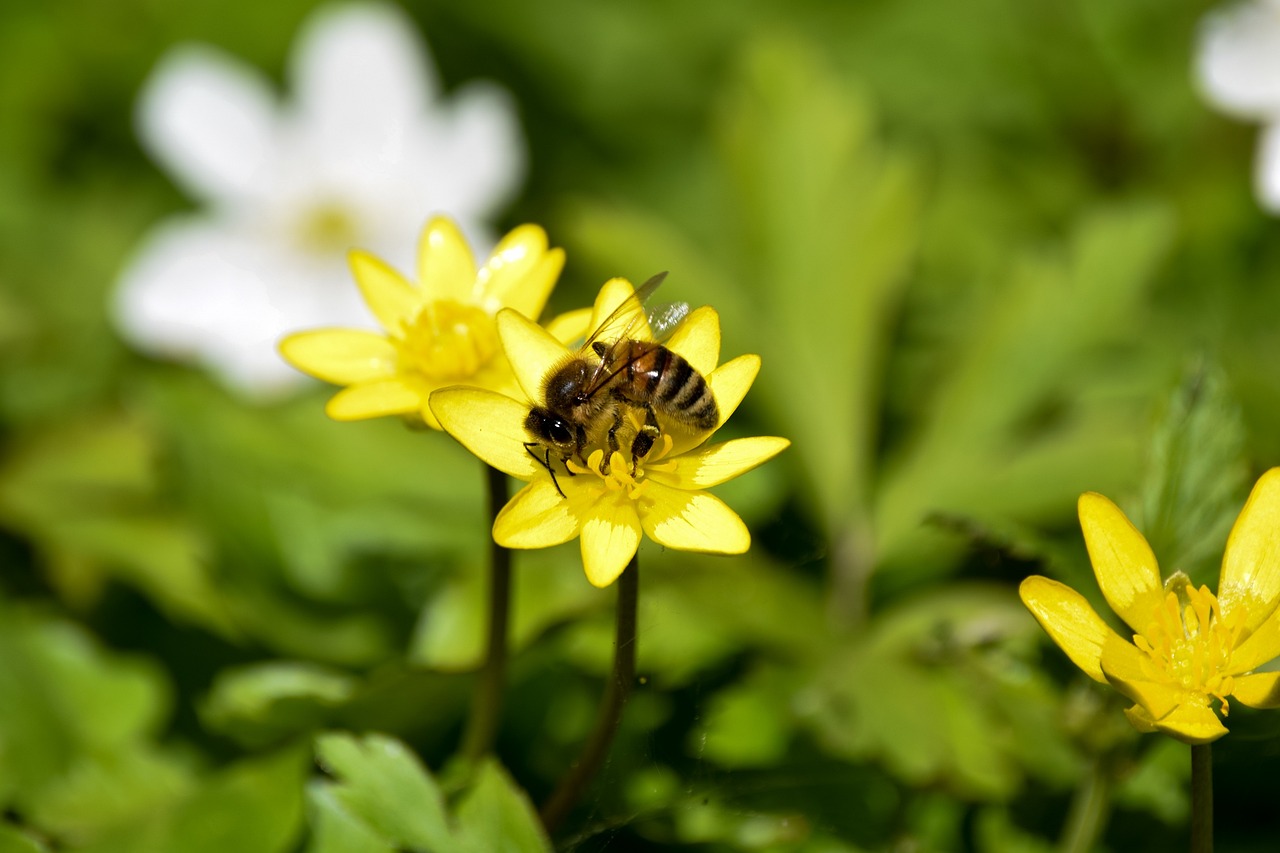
(559, 432)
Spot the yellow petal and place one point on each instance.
(1260, 690)
(532, 351)
(537, 517)
(1122, 561)
(692, 521)
(446, 268)
(1193, 724)
(610, 537)
(1261, 646)
(341, 356)
(1158, 698)
(488, 424)
(1251, 564)
(570, 327)
(375, 399)
(1140, 719)
(1069, 621)
(731, 381)
(521, 272)
(617, 315)
(391, 299)
(713, 465)
(697, 339)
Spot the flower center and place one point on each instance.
(327, 227)
(619, 474)
(449, 340)
(1190, 642)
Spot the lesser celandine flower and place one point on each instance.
(361, 153)
(437, 332)
(1191, 649)
(609, 505)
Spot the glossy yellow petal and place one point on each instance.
(1261, 690)
(1192, 723)
(537, 517)
(630, 322)
(1157, 697)
(692, 521)
(610, 537)
(520, 273)
(697, 339)
(571, 328)
(391, 299)
(490, 425)
(1069, 621)
(1140, 719)
(446, 267)
(341, 356)
(712, 465)
(1261, 646)
(395, 396)
(1122, 662)
(532, 351)
(1122, 561)
(731, 381)
(1251, 564)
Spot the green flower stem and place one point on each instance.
(1202, 799)
(486, 705)
(1089, 810)
(566, 794)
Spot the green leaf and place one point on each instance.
(1195, 475)
(254, 806)
(379, 782)
(89, 496)
(336, 830)
(263, 703)
(1031, 409)
(64, 699)
(495, 815)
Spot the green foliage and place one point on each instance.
(973, 256)
(384, 799)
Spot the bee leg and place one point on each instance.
(618, 419)
(645, 438)
(545, 462)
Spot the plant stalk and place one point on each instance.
(618, 689)
(1202, 799)
(486, 704)
(1089, 810)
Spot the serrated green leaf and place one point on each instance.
(382, 784)
(495, 815)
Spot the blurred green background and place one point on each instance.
(992, 255)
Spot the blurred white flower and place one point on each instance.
(360, 158)
(1238, 64)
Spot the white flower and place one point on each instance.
(361, 158)
(1239, 69)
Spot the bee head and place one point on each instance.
(546, 425)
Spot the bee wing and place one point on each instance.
(622, 323)
(665, 319)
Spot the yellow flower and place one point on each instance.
(438, 332)
(609, 505)
(1190, 647)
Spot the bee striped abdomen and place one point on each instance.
(674, 388)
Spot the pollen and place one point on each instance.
(448, 340)
(619, 475)
(1190, 643)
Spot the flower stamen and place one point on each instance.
(447, 340)
(1189, 641)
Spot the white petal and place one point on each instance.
(360, 70)
(210, 121)
(1266, 173)
(475, 152)
(1239, 59)
(203, 291)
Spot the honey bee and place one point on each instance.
(589, 397)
